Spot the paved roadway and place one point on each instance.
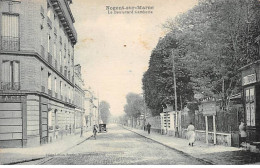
(119, 147)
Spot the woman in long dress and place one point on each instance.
(191, 134)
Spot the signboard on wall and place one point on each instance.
(209, 108)
(249, 79)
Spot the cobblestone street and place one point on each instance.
(119, 146)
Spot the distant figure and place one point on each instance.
(95, 130)
(148, 128)
(242, 132)
(191, 134)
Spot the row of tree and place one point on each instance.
(208, 45)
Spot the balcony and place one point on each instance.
(43, 89)
(49, 22)
(49, 58)
(10, 86)
(50, 92)
(42, 52)
(9, 43)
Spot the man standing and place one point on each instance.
(148, 128)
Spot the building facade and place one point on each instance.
(36, 76)
(79, 97)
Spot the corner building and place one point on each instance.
(36, 72)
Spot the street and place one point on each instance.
(118, 146)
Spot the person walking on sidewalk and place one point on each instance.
(95, 129)
(242, 133)
(148, 128)
(191, 134)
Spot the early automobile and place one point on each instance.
(102, 128)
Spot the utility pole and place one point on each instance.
(175, 92)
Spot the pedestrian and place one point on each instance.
(242, 133)
(191, 134)
(95, 129)
(148, 128)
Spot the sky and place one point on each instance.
(114, 49)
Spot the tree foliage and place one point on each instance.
(210, 43)
(104, 111)
(134, 106)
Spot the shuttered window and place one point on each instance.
(10, 38)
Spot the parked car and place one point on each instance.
(102, 128)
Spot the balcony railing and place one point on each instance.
(10, 86)
(9, 43)
(42, 52)
(50, 92)
(49, 22)
(43, 89)
(49, 58)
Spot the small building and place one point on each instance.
(251, 99)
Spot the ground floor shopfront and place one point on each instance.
(34, 119)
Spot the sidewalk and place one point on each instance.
(18, 155)
(209, 154)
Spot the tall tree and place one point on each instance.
(104, 111)
(134, 106)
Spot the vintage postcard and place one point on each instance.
(129, 82)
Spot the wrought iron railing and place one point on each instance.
(10, 86)
(9, 43)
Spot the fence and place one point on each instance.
(226, 121)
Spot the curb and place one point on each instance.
(204, 161)
(39, 158)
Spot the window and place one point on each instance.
(10, 39)
(49, 81)
(60, 57)
(54, 51)
(250, 106)
(61, 88)
(55, 85)
(11, 75)
(48, 43)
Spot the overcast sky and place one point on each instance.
(114, 49)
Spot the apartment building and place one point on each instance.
(79, 96)
(37, 99)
